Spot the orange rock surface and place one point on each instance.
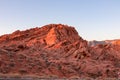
(56, 50)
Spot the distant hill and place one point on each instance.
(112, 42)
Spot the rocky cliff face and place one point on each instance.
(58, 51)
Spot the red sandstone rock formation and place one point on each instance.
(58, 51)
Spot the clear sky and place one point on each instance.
(93, 19)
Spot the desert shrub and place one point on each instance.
(95, 75)
(12, 64)
(111, 73)
(32, 64)
(10, 54)
(5, 70)
(117, 63)
(23, 71)
(21, 57)
(22, 46)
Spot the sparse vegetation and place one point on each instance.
(56, 51)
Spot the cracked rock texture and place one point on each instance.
(56, 50)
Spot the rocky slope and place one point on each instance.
(57, 51)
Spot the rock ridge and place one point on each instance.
(57, 51)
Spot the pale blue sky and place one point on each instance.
(93, 19)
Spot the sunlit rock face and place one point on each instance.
(57, 51)
(59, 33)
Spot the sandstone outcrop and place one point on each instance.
(57, 51)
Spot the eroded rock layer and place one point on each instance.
(56, 50)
